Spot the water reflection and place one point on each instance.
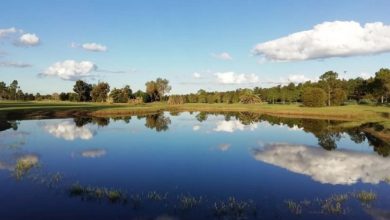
(69, 131)
(332, 167)
(232, 126)
(158, 122)
(327, 132)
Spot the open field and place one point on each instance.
(354, 115)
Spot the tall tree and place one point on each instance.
(83, 89)
(13, 89)
(329, 82)
(382, 84)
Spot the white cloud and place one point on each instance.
(14, 64)
(332, 167)
(94, 153)
(94, 47)
(234, 78)
(70, 69)
(67, 130)
(29, 39)
(232, 126)
(328, 39)
(6, 32)
(197, 75)
(223, 56)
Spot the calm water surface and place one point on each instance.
(191, 166)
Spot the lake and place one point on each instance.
(172, 165)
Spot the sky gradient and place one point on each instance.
(196, 44)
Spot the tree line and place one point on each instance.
(329, 90)
(155, 90)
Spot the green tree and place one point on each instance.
(121, 95)
(3, 91)
(100, 92)
(382, 84)
(338, 97)
(13, 89)
(157, 89)
(329, 82)
(314, 97)
(83, 90)
(250, 99)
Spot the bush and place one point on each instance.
(250, 99)
(314, 97)
(175, 100)
(351, 102)
(366, 102)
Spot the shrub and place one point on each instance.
(175, 100)
(366, 102)
(250, 99)
(314, 97)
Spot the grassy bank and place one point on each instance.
(354, 115)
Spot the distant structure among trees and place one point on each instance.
(330, 90)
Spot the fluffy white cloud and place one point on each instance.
(223, 56)
(94, 47)
(70, 69)
(7, 31)
(234, 78)
(328, 39)
(29, 39)
(67, 130)
(332, 167)
(94, 153)
(232, 126)
(196, 75)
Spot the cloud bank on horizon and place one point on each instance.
(328, 39)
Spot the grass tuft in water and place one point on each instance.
(294, 207)
(232, 208)
(98, 193)
(156, 196)
(365, 196)
(24, 164)
(188, 201)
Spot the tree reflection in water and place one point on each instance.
(327, 132)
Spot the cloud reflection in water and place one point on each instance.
(332, 167)
(68, 130)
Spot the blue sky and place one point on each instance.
(195, 44)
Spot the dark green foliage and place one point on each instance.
(83, 90)
(314, 97)
(121, 95)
